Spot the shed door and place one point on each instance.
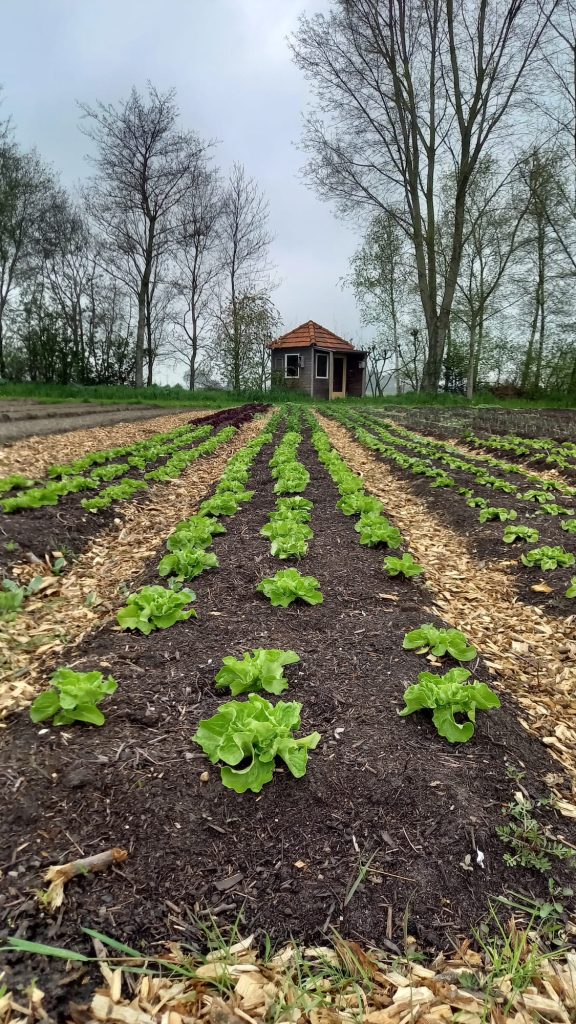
(338, 376)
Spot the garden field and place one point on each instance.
(305, 675)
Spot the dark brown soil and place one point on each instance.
(484, 540)
(380, 786)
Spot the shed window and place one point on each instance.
(292, 365)
(322, 365)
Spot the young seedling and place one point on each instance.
(439, 642)
(548, 557)
(248, 736)
(289, 585)
(526, 533)
(73, 697)
(259, 669)
(406, 566)
(12, 596)
(571, 592)
(186, 563)
(447, 696)
(503, 514)
(375, 529)
(530, 845)
(155, 607)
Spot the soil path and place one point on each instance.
(38, 420)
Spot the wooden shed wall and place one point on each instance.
(301, 383)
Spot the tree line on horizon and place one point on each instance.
(446, 129)
(158, 255)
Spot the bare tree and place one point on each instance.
(26, 187)
(381, 279)
(409, 90)
(244, 244)
(494, 214)
(241, 337)
(144, 170)
(197, 264)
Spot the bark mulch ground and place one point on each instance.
(377, 787)
(484, 540)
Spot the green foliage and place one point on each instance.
(155, 607)
(552, 509)
(186, 563)
(259, 669)
(293, 479)
(288, 586)
(196, 532)
(571, 591)
(12, 596)
(477, 503)
(296, 504)
(288, 536)
(359, 503)
(447, 696)
(73, 697)
(11, 483)
(439, 642)
(104, 473)
(548, 557)
(527, 533)
(569, 525)
(530, 846)
(224, 504)
(405, 566)
(375, 529)
(248, 736)
(503, 514)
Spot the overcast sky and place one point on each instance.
(230, 65)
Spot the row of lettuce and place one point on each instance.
(392, 442)
(172, 449)
(246, 737)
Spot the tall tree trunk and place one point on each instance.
(572, 381)
(193, 352)
(140, 331)
(432, 371)
(527, 368)
(471, 357)
(2, 364)
(479, 347)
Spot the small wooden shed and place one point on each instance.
(313, 359)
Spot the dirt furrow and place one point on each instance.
(86, 596)
(532, 655)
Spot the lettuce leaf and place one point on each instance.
(259, 669)
(248, 736)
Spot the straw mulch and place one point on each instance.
(67, 607)
(341, 984)
(33, 455)
(531, 655)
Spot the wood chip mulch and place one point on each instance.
(339, 984)
(33, 455)
(532, 655)
(67, 607)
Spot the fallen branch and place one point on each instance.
(59, 874)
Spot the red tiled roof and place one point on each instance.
(312, 333)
